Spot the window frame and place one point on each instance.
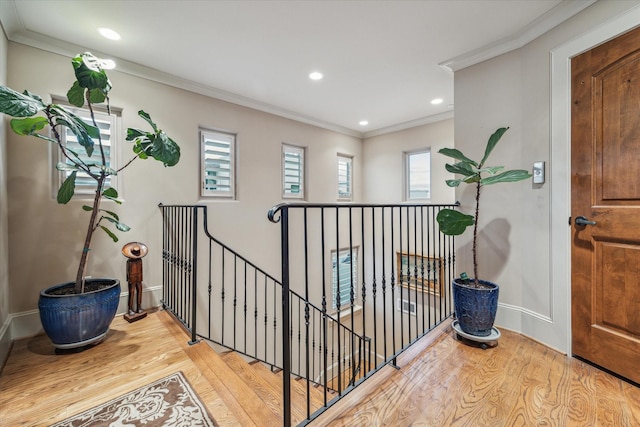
(300, 151)
(220, 136)
(84, 192)
(354, 254)
(347, 196)
(408, 175)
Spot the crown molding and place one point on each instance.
(552, 18)
(16, 33)
(410, 124)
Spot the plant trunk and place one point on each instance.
(475, 238)
(79, 286)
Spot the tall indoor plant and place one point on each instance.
(31, 115)
(475, 300)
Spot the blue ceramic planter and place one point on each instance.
(475, 308)
(73, 321)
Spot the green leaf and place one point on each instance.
(110, 192)
(97, 96)
(68, 187)
(492, 170)
(508, 176)
(66, 167)
(165, 150)
(453, 182)
(457, 154)
(113, 214)
(83, 131)
(157, 145)
(108, 171)
(87, 208)
(28, 125)
(18, 104)
(119, 225)
(89, 72)
(147, 118)
(452, 222)
(491, 143)
(462, 168)
(110, 233)
(132, 134)
(75, 95)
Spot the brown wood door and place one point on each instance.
(605, 188)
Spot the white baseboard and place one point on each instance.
(537, 326)
(5, 341)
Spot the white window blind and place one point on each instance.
(218, 163)
(292, 172)
(345, 177)
(418, 175)
(344, 274)
(85, 185)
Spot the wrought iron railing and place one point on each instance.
(395, 267)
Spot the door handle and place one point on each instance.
(581, 220)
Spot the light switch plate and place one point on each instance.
(538, 172)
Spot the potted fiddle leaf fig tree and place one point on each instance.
(78, 313)
(475, 300)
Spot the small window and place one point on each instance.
(292, 172)
(345, 177)
(85, 185)
(344, 274)
(218, 163)
(418, 175)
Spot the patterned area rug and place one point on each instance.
(169, 401)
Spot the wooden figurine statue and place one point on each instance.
(135, 251)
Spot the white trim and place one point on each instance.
(560, 244)
(410, 124)
(218, 137)
(302, 153)
(5, 341)
(348, 160)
(70, 50)
(552, 18)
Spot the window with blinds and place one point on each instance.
(85, 185)
(292, 172)
(418, 175)
(345, 177)
(344, 273)
(218, 163)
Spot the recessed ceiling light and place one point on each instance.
(363, 122)
(316, 75)
(109, 33)
(108, 64)
(436, 101)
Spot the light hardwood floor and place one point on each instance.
(439, 382)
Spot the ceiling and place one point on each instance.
(383, 61)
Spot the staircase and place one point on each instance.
(252, 392)
(359, 285)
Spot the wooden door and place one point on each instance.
(605, 188)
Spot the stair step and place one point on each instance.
(234, 389)
(298, 391)
(241, 401)
(267, 388)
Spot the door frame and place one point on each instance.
(560, 171)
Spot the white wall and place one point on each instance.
(45, 238)
(383, 162)
(4, 241)
(519, 221)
